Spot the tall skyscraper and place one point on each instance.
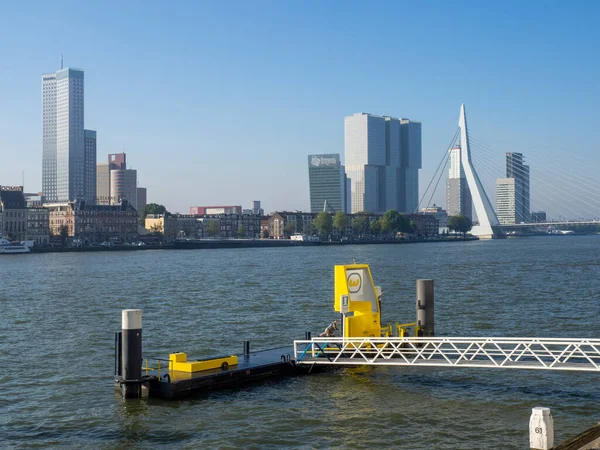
(515, 168)
(383, 156)
(458, 195)
(327, 183)
(63, 157)
(411, 161)
(90, 166)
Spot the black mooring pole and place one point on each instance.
(131, 356)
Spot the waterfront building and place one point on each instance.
(327, 183)
(505, 201)
(63, 141)
(141, 198)
(440, 214)
(538, 216)
(173, 226)
(264, 227)
(515, 168)
(94, 223)
(38, 225)
(283, 224)
(427, 225)
(383, 158)
(214, 210)
(458, 195)
(123, 186)
(14, 213)
(231, 224)
(192, 226)
(103, 183)
(90, 145)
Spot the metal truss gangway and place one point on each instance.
(482, 352)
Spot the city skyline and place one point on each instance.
(189, 118)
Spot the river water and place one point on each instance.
(59, 312)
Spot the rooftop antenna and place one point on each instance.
(61, 60)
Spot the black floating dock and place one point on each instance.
(252, 367)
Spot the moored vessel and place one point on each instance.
(7, 247)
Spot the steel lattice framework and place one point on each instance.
(483, 352)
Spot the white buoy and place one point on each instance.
(541, 429)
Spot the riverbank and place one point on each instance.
(235, 243)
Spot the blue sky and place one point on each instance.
(220, 102)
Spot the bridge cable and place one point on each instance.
(479, 156)
(443, 160)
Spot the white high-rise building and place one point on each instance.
(505, 201)
(382, 157)
(63, 158)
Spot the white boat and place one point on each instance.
(304, 238)
(7, 247)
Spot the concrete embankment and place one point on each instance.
(234, 243)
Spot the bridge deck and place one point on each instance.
(500, 353)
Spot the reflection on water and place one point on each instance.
(58, 313)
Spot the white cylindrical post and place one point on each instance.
(132, 352)
(541, 429)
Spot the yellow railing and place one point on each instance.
(401, 330)
(148, 368)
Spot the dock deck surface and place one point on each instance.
(251, 367)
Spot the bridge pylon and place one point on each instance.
(489, 226)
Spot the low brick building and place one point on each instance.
(427, 224)
(187, 226)
(282, 224)
(94, 223)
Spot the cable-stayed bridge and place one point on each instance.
(565, 190)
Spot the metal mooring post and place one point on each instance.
(541, 429)
(425, 319)
(131, 357)
(246, 348)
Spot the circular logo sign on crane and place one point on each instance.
(354, 282)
